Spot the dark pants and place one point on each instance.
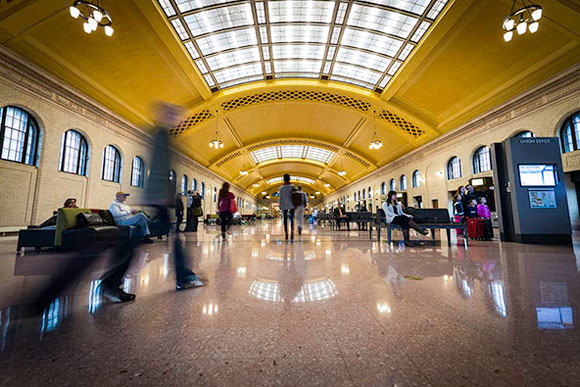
(288, 214)
(343, 220)
(189, 225)
(194, 223)
(226, 218)
(402, 221)
(178, 221)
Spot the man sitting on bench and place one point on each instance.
(124, 216)
(394, 214)
(341, 216)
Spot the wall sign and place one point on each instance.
(542, 198)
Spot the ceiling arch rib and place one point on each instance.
(362, 43)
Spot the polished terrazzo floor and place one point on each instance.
(330, 309)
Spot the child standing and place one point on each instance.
(484, 213)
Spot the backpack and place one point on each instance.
(297, 200)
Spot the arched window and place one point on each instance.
(74, 153)
(364, 193)
(184, 184)
(214, 194)
(138, 172)
(416, 179)
(454, 168)
(173, 180)
(203, 190)
(392, 185)
(383, 188)
(570, 133)
(19, 136)
(112, 164)
(370, 192)
(403, 182)
(194, 184)
(525, 133)
(481, 160)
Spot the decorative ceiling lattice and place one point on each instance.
(401, 123)
(190, 122)
(357, 42)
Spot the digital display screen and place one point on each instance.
(539, 175)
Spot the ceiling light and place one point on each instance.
(342, 172)
(317, 193)
(216, 143)
(375, 142)
(255, 185)
(527, 18)
(244, 173)
(327, 185)
(94, 15)
(264, 192)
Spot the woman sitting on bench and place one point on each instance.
(394, 214)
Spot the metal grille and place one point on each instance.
(401, 123)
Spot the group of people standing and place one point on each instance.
(194, 211)
(292, 202)
(471, 206)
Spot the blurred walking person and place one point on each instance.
(286, 205)
(226, 207)
(178, 211)
(300, 201)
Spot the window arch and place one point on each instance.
(194, 184)
(137, 172)
(481, 160)
(364, 194)
(403, 182)
(392, 185)
(370, 192)
(214, 194)
(184, 184)
(525, 133)
(570, 133)
(74, 153)
(203, 190)
(416, 179)
(383, 188)
(112, 164)
(19, 136)
(173, 180)
(454, 168)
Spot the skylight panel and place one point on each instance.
(299, 33)
(394, 68)
(319, 154)
(242, 71)
(261, 13)
(311, 11)
(357, 82)
(191, 49)
(264, 154)
(298, 51)
(201, 66)
(371, 41)
(227, 40)
(297, 66)
(188, 5)
(239, 81)
(167, 7)
(384, 82)
(356, 72)
(420, 31)
(302, 179)
(406, 51)
(381, 20)
(274, 180)
(361, 58)
(341, 13)
(233, 58)
(292, 151)
(414, 6)
(436, 9)
(330, 53)
(217, 19)
(179, 29)
(209, 80)
(266, 53)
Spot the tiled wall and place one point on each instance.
(30, 194)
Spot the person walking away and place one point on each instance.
(300, 201)
(484, 213)
(178, 211)
(394, 214)
(196, 211)
(286, 206)
(225, 199)
(458, 211)
(124, 216)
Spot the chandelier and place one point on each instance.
(522, 20)
(94, 16)
(375, 142)
(216, 142)
(255, 185)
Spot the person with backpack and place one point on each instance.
(300, 201)
(286, 205)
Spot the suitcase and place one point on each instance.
(475, 228)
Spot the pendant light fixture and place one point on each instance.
(375, 142)
(94, 15)
(521, 20)
(342, 172)
(216, 143)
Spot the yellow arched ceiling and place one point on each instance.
(459, 69)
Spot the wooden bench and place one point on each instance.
(361, 218)
(429, 218)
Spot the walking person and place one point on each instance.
(226, 203)
(394, 214)
(300, 201)
(194, 211)
(178, 211)
(286, 205)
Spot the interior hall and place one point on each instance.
(289, 192)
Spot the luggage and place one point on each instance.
(475, 228)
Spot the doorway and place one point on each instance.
(435, 203)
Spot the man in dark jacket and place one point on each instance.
(194, 211)
(178, 211)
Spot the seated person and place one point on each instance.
(394, 214)
(124, 216)
(341, 216)
(68, 203)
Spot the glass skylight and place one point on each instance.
(292, 152)
(292, 178)
(239, 41)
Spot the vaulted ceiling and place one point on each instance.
(297, 86)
